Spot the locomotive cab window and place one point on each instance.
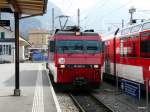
(145, 45)
(78, 46)
(69, 46)
(52, 46)
(92, 47)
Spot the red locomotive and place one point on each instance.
(75, 58)
(132, 54)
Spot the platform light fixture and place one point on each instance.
(96, 66)
(78, 33)
(62, 66)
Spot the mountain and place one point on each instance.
(39, 22)
(42, 22)
(25, 24)
(46, 19)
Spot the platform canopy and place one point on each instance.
(26, 7)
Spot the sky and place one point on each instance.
(103, 15)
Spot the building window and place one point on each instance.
(2, 35)
(9, 49)
(4, 50)
(1, 50)
(131, 47)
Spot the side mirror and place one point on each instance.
(52, 46)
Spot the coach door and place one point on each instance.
(107, 58)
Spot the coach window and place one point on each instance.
(131, 47)
(145, 45)
(122, 32)
(123, 46)
(145, 48)
(125, 31)
(146, 26)
(135, 28)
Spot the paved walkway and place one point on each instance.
(37, 94)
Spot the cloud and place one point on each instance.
(99, 14)
(70, 7)
(139, 4)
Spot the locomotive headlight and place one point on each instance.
(96, 66)
(62, 66)
(61, 60)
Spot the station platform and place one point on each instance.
(37, 94)
(118, 101)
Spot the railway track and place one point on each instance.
(88, 103)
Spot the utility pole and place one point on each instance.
(131, 11)
(79, 18)
(122, 25)
(53, 22)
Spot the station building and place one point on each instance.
(7, 46)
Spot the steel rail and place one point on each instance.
(94, 97)
(98, 103)
(80, 108)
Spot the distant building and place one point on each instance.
(39, 41)
(38, 38)
(7, 46)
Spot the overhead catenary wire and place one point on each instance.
(86, 15)
(69, 6)
(112, 12)
(101, 18)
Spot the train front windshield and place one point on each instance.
(78, 46)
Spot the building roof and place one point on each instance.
(28, 7)
(22, 40)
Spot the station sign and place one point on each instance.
(131, 88)
(4, 22)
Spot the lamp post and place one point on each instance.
(131, 11)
